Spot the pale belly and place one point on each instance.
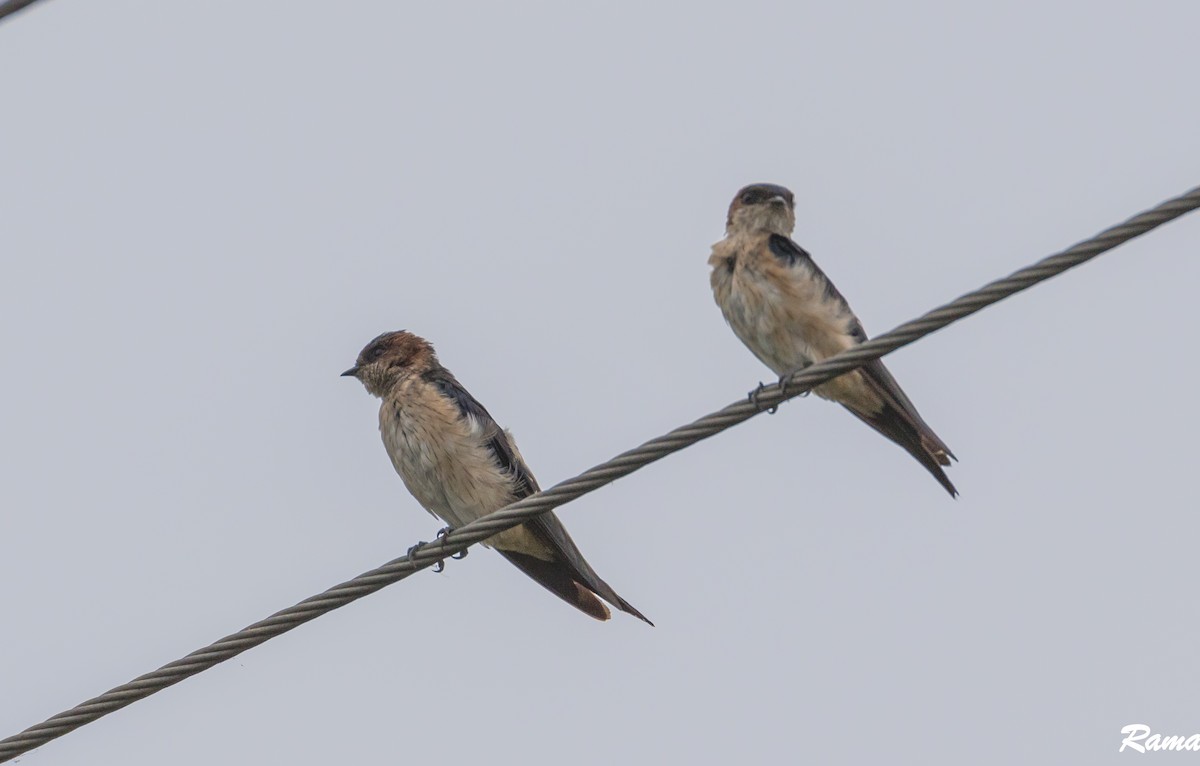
(765, 332)
(453, 476)
(790, 331)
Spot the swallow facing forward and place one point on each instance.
(790, 315)
(460, 466)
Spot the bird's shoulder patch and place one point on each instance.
(494, 437)
(793, 256)
(788, 251)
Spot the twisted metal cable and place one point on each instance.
(11, 7)
(428, 554)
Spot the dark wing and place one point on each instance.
(497, 440)
(904, 425)
(569, 570)
(899, 419)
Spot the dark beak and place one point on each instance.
(350, 373)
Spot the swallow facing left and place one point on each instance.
(788, 313)
(460, 465)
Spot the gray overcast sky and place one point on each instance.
(207, 208)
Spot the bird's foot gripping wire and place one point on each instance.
(786, 379)
(456, 556)
(756, 394)
(438, 565)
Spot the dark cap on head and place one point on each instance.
(777, 197)
(398, 348)
(757, 193)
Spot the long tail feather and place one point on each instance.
(561, 580)
(899, 421)
(899, 429)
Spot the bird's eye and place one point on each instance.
(749, 198)
(374, 353)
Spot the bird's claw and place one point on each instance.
(785, 380)
(438, 565)
(756, 395)
(752, 397)
(456, 556)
